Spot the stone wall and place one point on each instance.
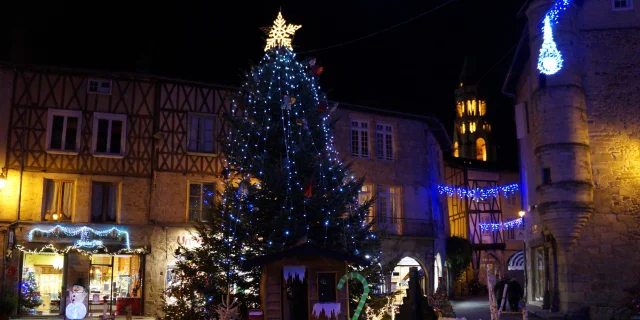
(604, 262)
(133, 196)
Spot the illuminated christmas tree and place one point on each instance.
(29, 292)
(284, 185)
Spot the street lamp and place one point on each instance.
(521, 213)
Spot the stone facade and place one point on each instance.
(581, 125)
(415, 170)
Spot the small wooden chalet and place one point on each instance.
(301, 283)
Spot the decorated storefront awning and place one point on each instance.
(85, 240)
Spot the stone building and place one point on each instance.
(106, 171)
(578, 142)
(472, 138)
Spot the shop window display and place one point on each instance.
(43, 271)
(118, 278)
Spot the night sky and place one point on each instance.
(412, 68)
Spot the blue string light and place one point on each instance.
(517, 223)
(479, 193)
(550, 59)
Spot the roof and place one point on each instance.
(478, 165)
(304, 250)
(435, 126)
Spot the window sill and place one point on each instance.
(202, 154)
(63, 152)
(623, 9)
(386, 160)
(107, 155)
(360, 157)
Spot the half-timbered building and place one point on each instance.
(105, 173)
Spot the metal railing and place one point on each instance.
(404, 226)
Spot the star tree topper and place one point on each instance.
(281, 33)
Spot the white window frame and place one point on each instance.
(97, 116)
(66, 114)
(387, 138)
(212, 117)
(99, 83)
(628, 7)
(364, 194)
(357, 126)
(387, 216)
(189, 183)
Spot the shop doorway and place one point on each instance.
(41, 283)
(118, 280)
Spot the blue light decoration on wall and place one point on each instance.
(517, 223)
(84, 233)
(479, 194)
(550, 59)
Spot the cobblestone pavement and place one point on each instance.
(477, 308)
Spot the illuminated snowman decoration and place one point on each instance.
(76, 309)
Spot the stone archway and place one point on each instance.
(438, 273)
(400, 277)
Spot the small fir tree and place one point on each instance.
(440, 302)
(30, 294)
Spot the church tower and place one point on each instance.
(472, 138)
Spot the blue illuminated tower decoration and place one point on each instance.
(472, 138)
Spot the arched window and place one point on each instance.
(481, 150)
(472, 127)
(462, 128)
(460, 108)
(483, 107)
(456, 152)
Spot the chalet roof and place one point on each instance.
(304, 250)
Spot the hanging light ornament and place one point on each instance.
(550, 59)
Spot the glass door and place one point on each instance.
(101, 285)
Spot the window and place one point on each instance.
(365, 195)
(99, 86)
(460, 108)
(58, 200)
(201, 133)
(481, 150)
(622, 5)
(327, 287)
(388, 204)
(472, 127)
(109, 134)
(104, 202)
(482, 106)
(63, 131)
(462, 128)
(201, 196)
(384, 141)
(456, 149)
(359, 139)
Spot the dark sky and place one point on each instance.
(412, 68)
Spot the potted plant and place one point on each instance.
(8, 304)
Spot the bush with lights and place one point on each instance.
(283, 184)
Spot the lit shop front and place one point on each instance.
(102, 260)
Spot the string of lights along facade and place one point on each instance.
(105, 174)
(472, 138)
(576, 127)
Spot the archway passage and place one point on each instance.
(400, 278)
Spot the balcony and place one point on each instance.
(405, 227)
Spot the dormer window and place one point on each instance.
(99, 86)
